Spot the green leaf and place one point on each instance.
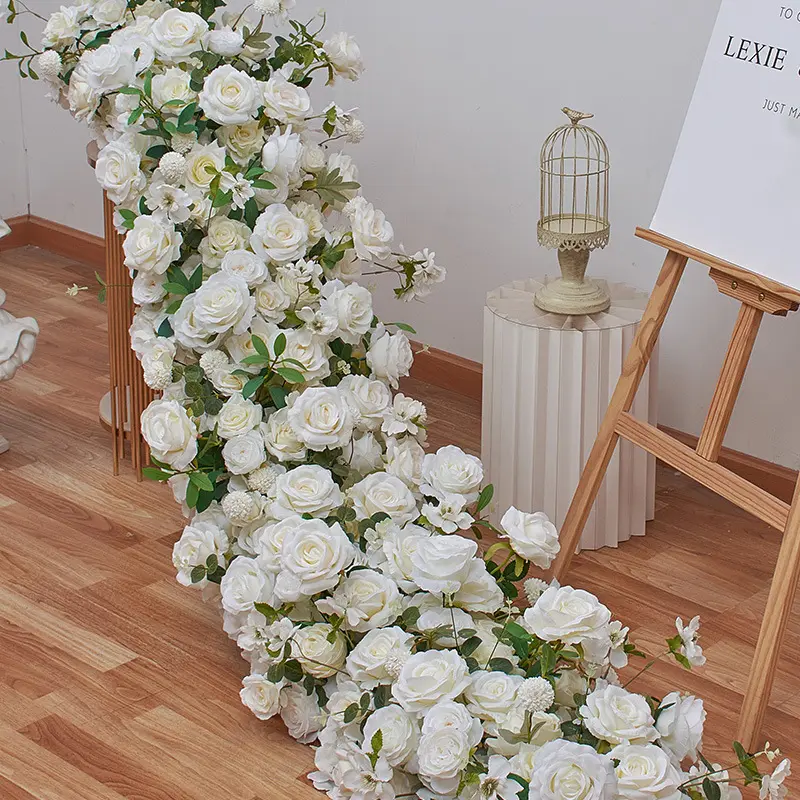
(470, 646)
(175, 288)
(148, 83)
(212, 563)
(376, 742)
(201, 481)
(403, 326)
(279, 344)
(260, 346)
(129, 90)
(252, 386)
(275, 673)
(192, 493)
(268, 611)
(156, 151)
(165, 329)
(293, 671)
(196, 280)
(255, 359)
(155, 474)
(135, 114)
(197, 574)
(381, 695)
(290, 375)
(711, 789)
(501, 665)
(262, 184)
(485, 497)
(186, 114)
(351, 712)
(278, 395)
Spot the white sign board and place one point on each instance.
(733, 189)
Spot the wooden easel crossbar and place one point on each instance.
(758, 295)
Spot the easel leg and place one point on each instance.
(773, 627)
(632, 373)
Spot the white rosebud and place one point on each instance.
(172, 166)
(48, 64)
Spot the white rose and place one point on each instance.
(572, 616)
(151, 245)
(449, 714)
(191, 333)
(225, 41)
(312, 217)
(428, 677)
(110, 13)
(229, 96)
(62, 26)
(513, 731)
(309, 489)
(372, 660)
(390, 357)
(366, 599)
(348, 171)
(368, 398)
(404, 460)
(644, 772)
(615, 715)
(399, 731)
(451, 471)
(245, 265)
(398, 547)
(223, 236)
(82, 99)
(491, 695)
(280, 439)
(372, 233)
(442, 756)
(203, 163)
(532, 536)
(350, 306)
(301, 713)
(271, 301)
(317, 655)
(172, 84)
(199, 540)
(310, 350)
(281, 154)
(382, 493)
(148, 287)
(441, 564)
(107, 67)
(260, 695)
(238, 416)
(244, 453)
(490, 647)
(312, 557)
(321, 418)
(170, 433)
(364, 454)
(344, 55)
(135, 37)
(569, 771)
(118, 171)
(244, 584)
(680, 725)
(284, 101)
(223, 303)
(279, 235)
(313, 157)
(479, 590)
(268, 542)
(177, 34)
(568, 684)
(242, 141)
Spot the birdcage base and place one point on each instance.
(570, 297)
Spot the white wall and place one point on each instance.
(457, 98)
(13, 177)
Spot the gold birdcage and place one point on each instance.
(574, 214)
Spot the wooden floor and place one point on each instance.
(116, 682)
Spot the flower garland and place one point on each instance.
(330, 539)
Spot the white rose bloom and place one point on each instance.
(310, 350)
(148, 287)
(371, 661)
(301, 713)
(313, 158)
(442, 621)
(399, 731)
(110, 13)
(177, 34)
(491, 695)
(172, 84)
(390, 357)
(271, 301)
(203, 163)
(451, 471)
(448, 714)
(170, 433)
(223, 236)
(366, 599)
(107, 68)
(490, 647)
(350, 306)
(244, 453)
(479, 591)
(680, 725)
(644, 772)
(247, 266)
(572, 616)
(242, 141)
(428, 677)
(442, 756)
(441, 564)
(118, 171)
(229, 96)
(383, 493)
(364, 454)
(279, 235)
(570, 771)
(199, 540)
(317, 655)
(62, 26)
(223, 303)
(268, 542)
(348, 171)
(281, 154)
(513, 731)
(280, 439)
(309, 489)
(615, 715)
(192, 333)
(312, 217)
(225, 41)
(532, 536)
(404, 460)
(321, 418)
(368, 398)
(135, 37)
(312, 557)
(238, 416)
(244, 584)
(260, 695)
(285, 102)
(82, 99)
(570, 683)
(344, 55)
(151, 245)
(372, 233)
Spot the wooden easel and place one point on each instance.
(757, 295)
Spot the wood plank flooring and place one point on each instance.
(115, 682)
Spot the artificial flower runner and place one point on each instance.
(371, 624)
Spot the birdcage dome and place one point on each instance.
(574, 187)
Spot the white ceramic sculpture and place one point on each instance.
(17, 342)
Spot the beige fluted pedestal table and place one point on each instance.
(547, 381)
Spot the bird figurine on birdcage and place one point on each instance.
(574, 214)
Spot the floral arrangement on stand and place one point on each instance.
(334, 545)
